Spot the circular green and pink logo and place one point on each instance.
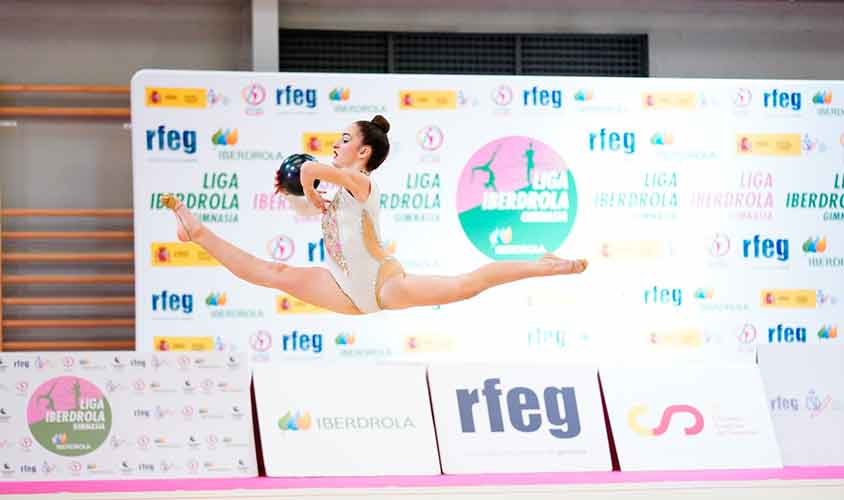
(516, 199)
(69, 416)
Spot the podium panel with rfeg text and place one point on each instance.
(518, 418)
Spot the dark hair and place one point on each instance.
(374, 134)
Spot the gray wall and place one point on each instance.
(688, 38)
(87, 163)
(106, 41)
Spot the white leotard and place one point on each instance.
(353, 266)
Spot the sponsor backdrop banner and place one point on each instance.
(518, 418)
(125, 415)
(806, 400)
(699, 416)
(344, 419)
(711, 212)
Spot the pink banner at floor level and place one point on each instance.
(690, 416)
(834, 474)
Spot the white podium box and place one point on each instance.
(518, 418)
(345, 420)
(693, 416)
(805, 389)
(123, 415)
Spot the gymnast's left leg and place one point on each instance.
(403, 291)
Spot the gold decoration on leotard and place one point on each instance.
(331, 234)
(388, 265)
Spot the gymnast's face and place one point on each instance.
(349, 150)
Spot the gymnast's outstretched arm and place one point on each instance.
(351, 179)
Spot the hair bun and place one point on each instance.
(381, 122)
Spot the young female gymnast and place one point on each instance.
(360, 277)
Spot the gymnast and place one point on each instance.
(360, 276)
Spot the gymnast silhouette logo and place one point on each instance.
(743, 98)
(25, 443)
(529, 162)
(518, 189)
(48, 396)
(487, 168)
(747, 335)
(430, 138)
(281, 248)
(530, 165)
(502, 95)
(718, 245)
(668, 414)
(254, 94)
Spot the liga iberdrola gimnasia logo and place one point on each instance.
(69, 416)
(516, 199)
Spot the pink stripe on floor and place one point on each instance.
(266, 483)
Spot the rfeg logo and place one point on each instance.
(69, 416)
(515, 198)
(523, 406)
(637, 411)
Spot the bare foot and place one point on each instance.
(189, 228)
(557, 265)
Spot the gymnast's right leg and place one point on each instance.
(314, 285)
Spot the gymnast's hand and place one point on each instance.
(307, 178)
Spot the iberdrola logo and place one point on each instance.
(822, 97)
(298, 422)
(216, 299)
(224, 137)
(816, 245)
(344, 339)
(516, 199)
(339, 94)
(583, 95)
(663, 138)
(828, 332)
